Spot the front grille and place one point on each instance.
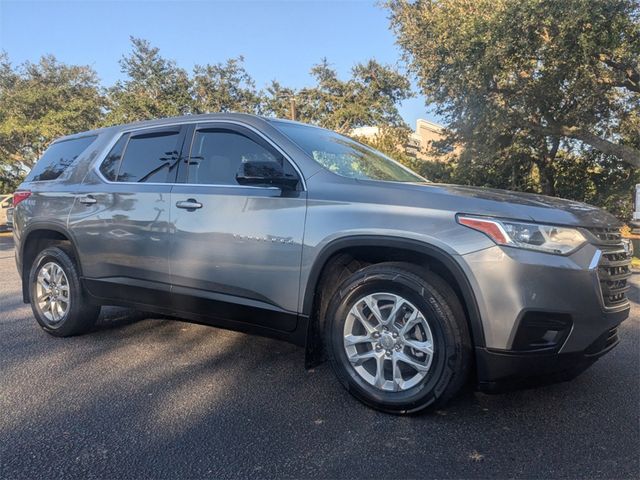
(614, 268)
(607, 236)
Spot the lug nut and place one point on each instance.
(378, 346)
(398, 347)
(394, 335)
(388, 352)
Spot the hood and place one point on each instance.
(499, 203)
(539, 208)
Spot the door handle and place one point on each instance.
(87, 200)
(189, 204)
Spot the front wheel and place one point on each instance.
(397, 338)
(57, 299)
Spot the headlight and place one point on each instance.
(532, 236)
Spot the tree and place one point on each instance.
(39, 102)
(370, 97)
(279, 101)
(529, 79)
(155, 87)
(224, 87)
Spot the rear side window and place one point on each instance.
(58, 157)
(111, 164)
(150, 157)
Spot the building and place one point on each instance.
(421, 142)
(424, 141)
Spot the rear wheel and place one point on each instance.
(397, 338)
(57, 299)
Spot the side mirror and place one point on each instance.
(265, 174)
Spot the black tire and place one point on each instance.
(81, 315)
(440, 307)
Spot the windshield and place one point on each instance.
(346, 157)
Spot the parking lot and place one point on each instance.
(156, 398)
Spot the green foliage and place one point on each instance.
(538, 92)
(39, 102)
(535, 91)
(154, 87)
(370, 97)
(224, 87)
(548, 69)
(597, 179)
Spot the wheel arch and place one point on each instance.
(35, 239)
(427, 255)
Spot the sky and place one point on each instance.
(279, 39)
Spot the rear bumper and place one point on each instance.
(500, 371)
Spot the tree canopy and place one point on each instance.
(42, 101)
(224, 87)
(542, 95)
(39, 102)
(370, 97)
(527, 85)
(153, 87)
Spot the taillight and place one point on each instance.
(20, 196)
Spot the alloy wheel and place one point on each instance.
(388, 341)
(52, 293)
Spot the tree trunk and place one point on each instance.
(547, 179)
(545, 167)
(626, 153)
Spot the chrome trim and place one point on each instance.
(615, 308)
(595, 261)
(218, 185)
(188, 204)
(618, 252)
(197, 124)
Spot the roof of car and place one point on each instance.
(254, 120)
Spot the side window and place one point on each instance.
(58, 157)
(218, 155)
(111, 164)
(150, 157)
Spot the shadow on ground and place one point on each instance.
(156, 398)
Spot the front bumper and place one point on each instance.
(517, 288)
(500, 371)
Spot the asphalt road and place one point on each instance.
(155, 398)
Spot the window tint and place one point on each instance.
(58, 157)
(111, 164)
(150, 157)
(218, 155)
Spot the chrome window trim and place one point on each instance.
(217, 185)
(196, 124)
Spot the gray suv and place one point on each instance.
(410, 289)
